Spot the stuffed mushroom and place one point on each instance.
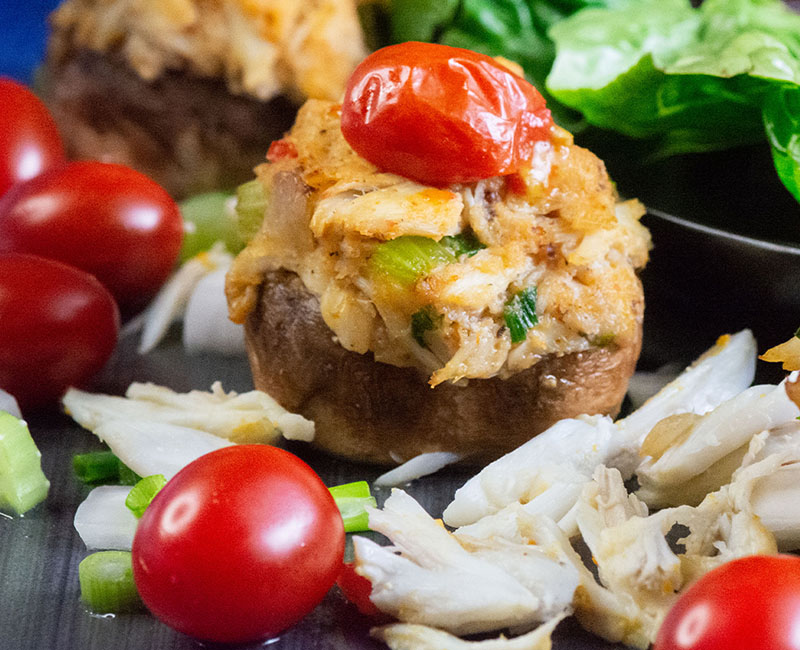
(468, 312)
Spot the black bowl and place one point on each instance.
(726, 246)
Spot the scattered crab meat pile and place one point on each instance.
(718, 457)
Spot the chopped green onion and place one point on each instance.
(520, 314)
(352, 499)
(143, 493)
(408, 258)
(107, 585)
(251, 204)
(102, 467)
(797, 333)
(22, 482)
(465, 243)
(603, 340)
(424, 320)
(208, 219)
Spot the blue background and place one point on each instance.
(23, 34)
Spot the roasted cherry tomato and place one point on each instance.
(29, 139)
(441, 115)
(239, 545)
(58, 327)
(751, 602)
(103, 218)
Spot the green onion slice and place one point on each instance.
(143, 493)
(408, 258)
(797, 333)
(251, 204)
(102, 467)
(352, 500)
(106, 580)
(22, 482)
(208, 220)
(465, 243)
(424, 320)
(520, 314)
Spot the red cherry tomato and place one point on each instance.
(751, 602)
(441, 115)
(239, 545)
(29, 139)
(357, 589)
(103, 218)
(58, 327)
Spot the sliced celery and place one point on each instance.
(520, 314)
(251, 204)
(406, 259)
(208, 219)
(107, 585)
(143, 493)
(22, 482)
(352, 499)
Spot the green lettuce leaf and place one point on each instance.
(688, 79)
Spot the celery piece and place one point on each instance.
(352, 499)
(143, 493)
(251, 204)
(22, 482)
(520, 314)
(102, 467)
(408, 258)
(107, 585)
(208, 219)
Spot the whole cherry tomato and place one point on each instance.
(239, 545)
(29, 139)
(58, 327)
(441, 115)
(751, 602)
(106, 219)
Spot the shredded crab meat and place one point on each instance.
(429, 577)
(407, 636)
(567, 453)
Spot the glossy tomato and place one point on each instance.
(239, 545)
(58, 327)
(29, 139)
(441, 114)
(751, 602)
(106, 219)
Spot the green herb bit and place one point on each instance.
(251, 204)
(22, 482)
(352, 500)
(520, 314)
(424, 320)
(102, 467)
(465, 243)
(408, 258)
(143, 493)
(797, 333)
(107, 585)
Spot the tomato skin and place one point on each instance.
(59, 327)
(751, 602)
(104, 218)
(29, 138)
(441, 115)
(239, 545)
(357, 589)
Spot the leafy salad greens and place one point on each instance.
(686, 79)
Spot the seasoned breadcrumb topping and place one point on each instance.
(262, 48)
(557, 226)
